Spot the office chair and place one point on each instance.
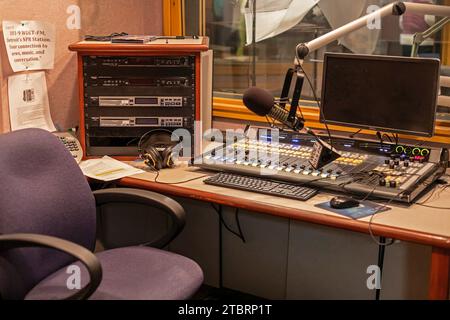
(48, 232)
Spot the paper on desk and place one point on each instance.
(274, 17)
(107, 169)
(30, 44)
(28, 102)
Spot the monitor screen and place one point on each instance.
(382, 93)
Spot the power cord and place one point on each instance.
(238, 234)
(380, 208)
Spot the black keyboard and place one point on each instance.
(260, 185)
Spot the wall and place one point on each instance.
(97, 17)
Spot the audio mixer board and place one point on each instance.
(371, 169)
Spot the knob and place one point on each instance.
(408, 150)
(396, 162)
(393, 184)
(392, 165)
(387, 161)
(416, 151)
(329, 170)
(424, 152)
(399, 149)
(213, 153)
(382, 182)
(406, 163)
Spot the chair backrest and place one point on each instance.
(43, 191)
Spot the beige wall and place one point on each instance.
(97, 17)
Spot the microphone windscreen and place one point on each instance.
(258, 100)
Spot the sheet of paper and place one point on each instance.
(107, 169)
(30, 44)
(275, 16)
(340, 12)
(28, 102)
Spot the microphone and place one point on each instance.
(262, 103)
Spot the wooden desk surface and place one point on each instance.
(416, 223)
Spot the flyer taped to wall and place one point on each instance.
(28, 102)
(30, 45)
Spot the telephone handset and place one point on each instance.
(72, 144)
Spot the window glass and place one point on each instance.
(239, 64)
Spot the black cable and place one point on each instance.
(381, 252)
(354, 134)
(387, 137)
(222, 221)
(238, 223)
(318, 104)
(433, 207)
(380, 136)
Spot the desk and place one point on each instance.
(415, 224)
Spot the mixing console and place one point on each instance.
(371, 169)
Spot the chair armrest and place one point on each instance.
(151, 199)
(18, 240)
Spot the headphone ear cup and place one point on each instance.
(153, 158)
(166, 156)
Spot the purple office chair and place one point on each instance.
(48, 232)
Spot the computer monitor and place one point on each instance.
(381, 93)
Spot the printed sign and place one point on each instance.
(30, 44)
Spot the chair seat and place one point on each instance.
(131, 273)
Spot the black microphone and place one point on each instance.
(262, 103)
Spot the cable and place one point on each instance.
(354, 134)
(222, 221)
(387, 137)
(433, 207)
(238, 223)
(380, 208)
(318, 104)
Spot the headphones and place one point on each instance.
(156, 148)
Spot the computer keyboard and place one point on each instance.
(261, 185)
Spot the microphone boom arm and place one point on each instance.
(394, 9)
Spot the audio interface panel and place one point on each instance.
(126, 96)
(370, 169)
